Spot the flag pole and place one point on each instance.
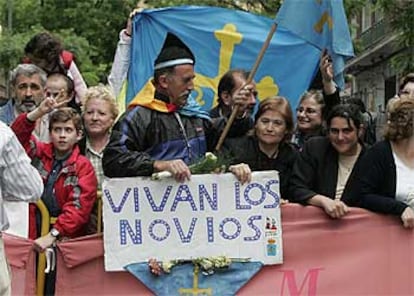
(248, 80)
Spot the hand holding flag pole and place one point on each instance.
(248, 81)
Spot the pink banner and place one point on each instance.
(22, 261)
(362, 254)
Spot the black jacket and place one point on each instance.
(377, 180)
(316, 172)
(246, 149)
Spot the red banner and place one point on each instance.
(361, 254)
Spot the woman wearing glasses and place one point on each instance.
(314, 105)
(389, 186)
(324, 174)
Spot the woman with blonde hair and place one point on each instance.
(266, 146)
(99, 113)
(386, 175)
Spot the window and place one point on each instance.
(366, 17)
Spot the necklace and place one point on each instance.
(274, 155)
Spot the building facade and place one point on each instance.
(372, 77)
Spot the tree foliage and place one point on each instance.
(88, 28)
(400, 15)
(263, 7)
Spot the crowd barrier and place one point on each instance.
(361, 254)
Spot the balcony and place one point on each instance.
(373, 35)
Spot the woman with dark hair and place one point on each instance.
(406, 88)
(324, 175)
(46, 52)
(266, 146)
(389, 186)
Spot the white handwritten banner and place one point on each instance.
(211, 215)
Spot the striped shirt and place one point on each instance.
(19, 180)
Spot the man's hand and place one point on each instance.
(178, 169)
(407, 218)
(245, 98)
(43, 242)
(242, 172)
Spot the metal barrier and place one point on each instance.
(99, 222)
(41, 261)
(46, 221)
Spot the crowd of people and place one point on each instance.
(74, 138)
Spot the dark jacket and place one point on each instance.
(246, 149)
(143, 135)
(316, 172)
(377, 180)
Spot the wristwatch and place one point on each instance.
(54, 232)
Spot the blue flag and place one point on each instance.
(221, 39)
(322, 23)
(184, 281)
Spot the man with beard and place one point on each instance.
(168, 131)
(28, 83)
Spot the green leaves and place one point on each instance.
(88, 28)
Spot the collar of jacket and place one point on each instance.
(49, 150)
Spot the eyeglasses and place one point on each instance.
(308, 111)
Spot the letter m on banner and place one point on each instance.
(309, 284)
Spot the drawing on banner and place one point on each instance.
(271, 236)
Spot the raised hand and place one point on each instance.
(128, 28)
(48, 105)
(327, 72)
(326, 67)
(245, 98)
